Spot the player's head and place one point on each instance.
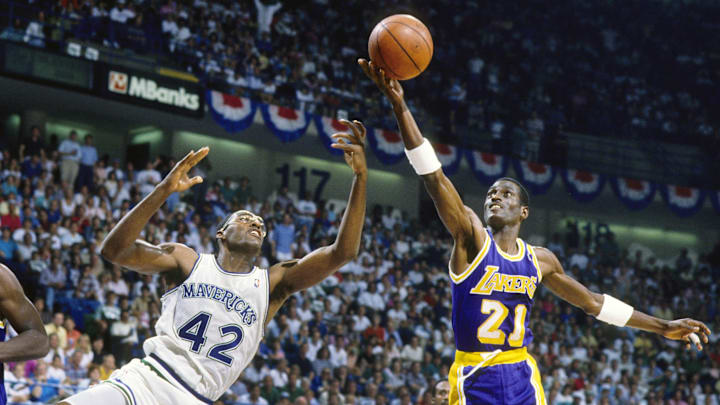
(440, 392)
(506, 203)
(242, 231)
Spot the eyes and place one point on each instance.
(246, 219)
(506, 193)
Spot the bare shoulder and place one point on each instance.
(478, 228)
(276, 272)
(183, 254)
(549, 263)
(9, 284)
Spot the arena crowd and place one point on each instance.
(528, 72)
(378, 332)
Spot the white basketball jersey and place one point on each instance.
(210, 328)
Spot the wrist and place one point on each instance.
(398, 106)
(164, 188)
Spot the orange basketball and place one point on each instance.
(401, 45)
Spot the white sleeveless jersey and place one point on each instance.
(210, 328)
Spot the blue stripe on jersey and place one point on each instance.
(180, 380)
(494, 295)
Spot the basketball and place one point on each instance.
(401, 45)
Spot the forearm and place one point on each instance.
(124, 234)
(409, 131)
(347, 243)
(31, 344)
(643, 321)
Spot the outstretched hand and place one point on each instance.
(682, 329)
(177, 180)
(353, 145)
(390, 87)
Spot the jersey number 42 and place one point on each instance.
(194, 331)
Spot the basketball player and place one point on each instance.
(31, 341)
(494, 278)
(212, 321)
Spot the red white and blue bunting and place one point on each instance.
(635, 194)
(536, 177)
(326, 127)
(715, 199)
(583, 186)
(286, 123)
(450, 157)
(387, 145)
(231, 112)
(683, 201)
(487, 167)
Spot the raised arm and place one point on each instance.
(31, 341)
(611, 310)
(122, 246)
(447, 201)
(295, 275)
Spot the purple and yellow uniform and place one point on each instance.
(492, 300)
(3, 394)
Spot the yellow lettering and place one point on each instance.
(531, 286)
(485, 285)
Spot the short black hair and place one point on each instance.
(224, 222)
(524, 195)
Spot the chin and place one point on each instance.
(247, 246)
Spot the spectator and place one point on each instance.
(253, 397)
(70, 151)
(34, 34)
(265, 13)
(88, 159)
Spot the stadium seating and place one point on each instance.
(359, 334)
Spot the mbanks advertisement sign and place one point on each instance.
(150, 90)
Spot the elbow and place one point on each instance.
(594, 305)
(109, 252)
(342, 256)
(41, 345)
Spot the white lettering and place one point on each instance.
(148, 89)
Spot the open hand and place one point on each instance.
(177, 180)
(390, 87)
(681, 329)
(353, 145)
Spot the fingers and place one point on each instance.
(344, 138)
(695, 340)
(361, 130)
(358, 130)
(196, 180)
(699, 327)
(199, 155)
(186, 158)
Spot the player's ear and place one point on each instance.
(524, 212)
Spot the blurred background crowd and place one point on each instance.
(377, 332)
(529, 72)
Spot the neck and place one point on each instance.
(505, 238)
(235, 263)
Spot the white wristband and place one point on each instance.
(423, 158)
(614, 311)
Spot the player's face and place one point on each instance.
(442, 391)
(503, 205)
(244, 228)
